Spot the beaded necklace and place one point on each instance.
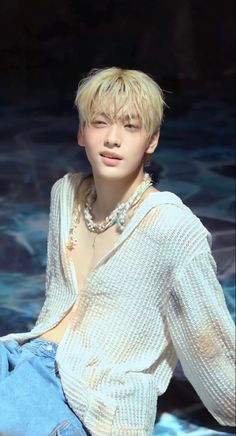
(118, 216)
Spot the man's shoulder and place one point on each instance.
(70, 180)
(171, 216)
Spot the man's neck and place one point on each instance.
(111, 192)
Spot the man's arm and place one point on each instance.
(202, 332)
(52, 241)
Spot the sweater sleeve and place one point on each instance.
(202, 333)
(52, 240)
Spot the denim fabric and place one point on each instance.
(32, 402)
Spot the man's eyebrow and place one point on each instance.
(103, 114)
(133, 116)
(126, 117)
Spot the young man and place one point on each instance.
(131, 286)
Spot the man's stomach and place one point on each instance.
(56, 333)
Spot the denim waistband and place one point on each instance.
(38, 345)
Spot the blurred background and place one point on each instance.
(45, 49)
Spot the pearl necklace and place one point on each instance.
(117, 216)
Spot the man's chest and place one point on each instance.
(90, 249)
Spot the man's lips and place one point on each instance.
(111, 155)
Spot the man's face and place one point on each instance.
(124, 137)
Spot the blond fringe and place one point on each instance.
(121, 93)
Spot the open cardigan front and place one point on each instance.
(152, 299)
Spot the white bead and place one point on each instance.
(118, 214)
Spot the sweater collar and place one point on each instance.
(70, 185)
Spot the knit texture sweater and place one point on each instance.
(152, 299)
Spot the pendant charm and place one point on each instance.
(71, 242)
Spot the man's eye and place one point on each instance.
(131, 126)
(99, 122)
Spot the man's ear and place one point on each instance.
(153, 142)
(80, 137)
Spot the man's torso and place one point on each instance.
(90, 248)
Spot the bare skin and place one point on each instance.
(84, 257)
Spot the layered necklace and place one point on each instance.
(118, 216)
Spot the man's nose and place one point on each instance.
(113, 136)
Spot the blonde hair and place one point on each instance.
(121, 93)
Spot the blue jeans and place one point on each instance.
(32, 402)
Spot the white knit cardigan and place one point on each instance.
(152, 299)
